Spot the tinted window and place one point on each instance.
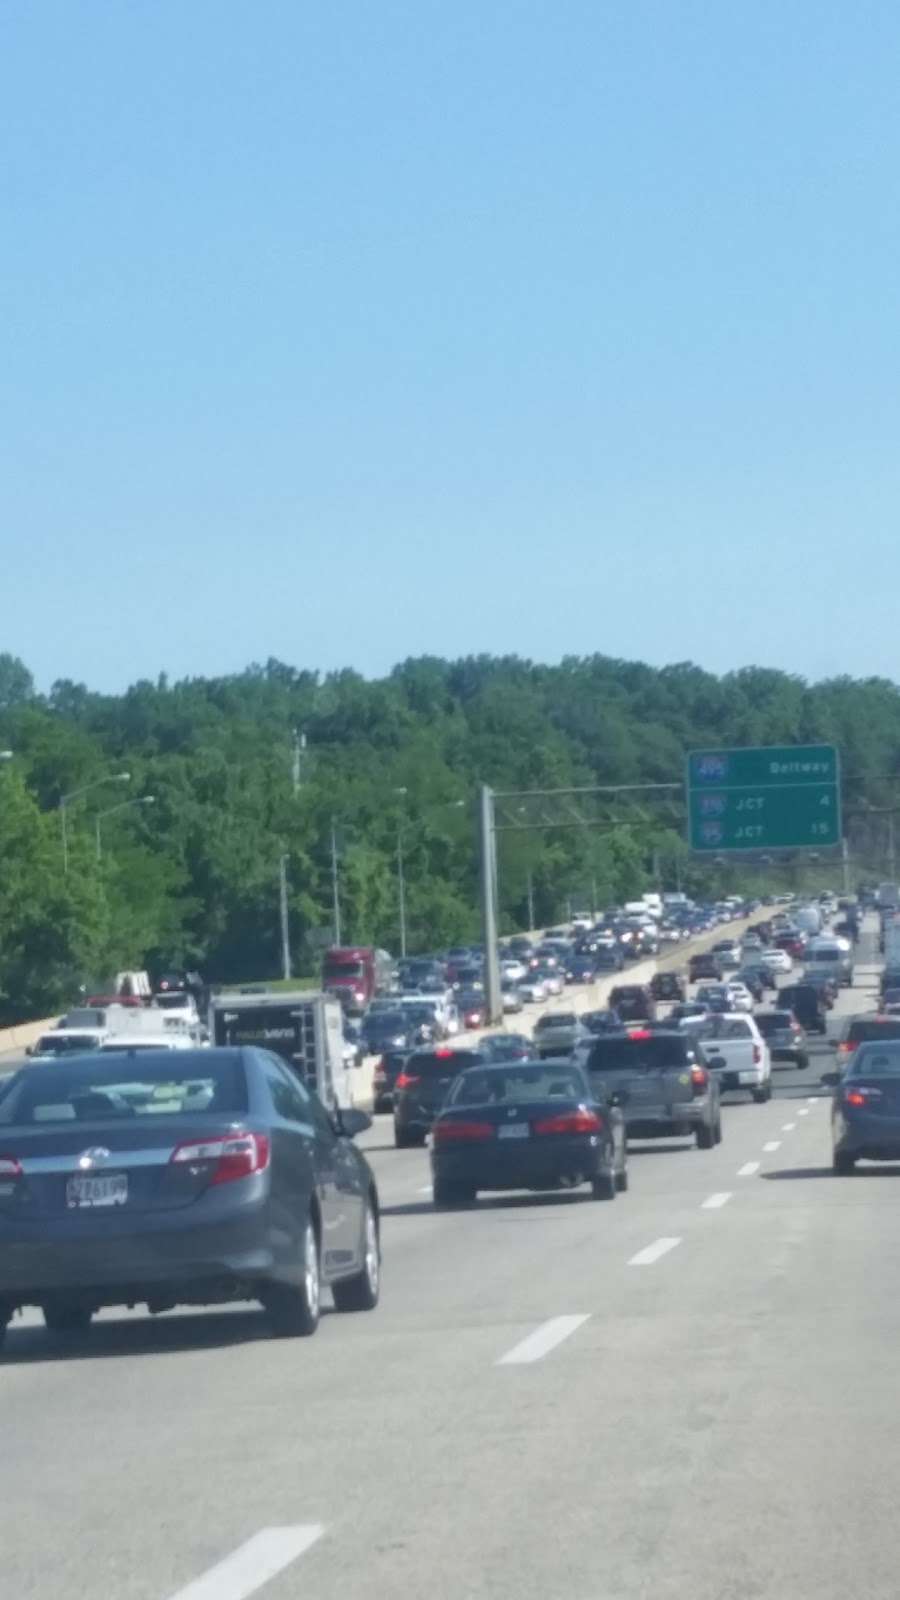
(126, 1088)
(517, 1085)
(66, 1044)
(872, 1028)
(561, 1019)
(870, 1061)
(773, 1021)
(289, 1097)
(627, 1054)
(436, 1064)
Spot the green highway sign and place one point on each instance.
(781, 797)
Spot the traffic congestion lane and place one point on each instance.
(263, 1432)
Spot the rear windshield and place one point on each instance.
(628, 1054)
(727, 1028)
(390, 1021)
(560, 1019)
(97, 1090)
(823, 955)
(873, 1062)
(873, 1028)
(173, 1002)
(773, 1021)
(437, 1064)
(517, 1085)
(627, 991)
(66, 1044)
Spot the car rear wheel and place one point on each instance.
(293, 1308)
(622, 1179)
(360, 1293)
(63, 1317)
(706, 1136)
(717, 1130)
(844, 1163)
(447, 1195)
(802, 1062)
(404, 1140)
(604, 1186)
(762, 1094)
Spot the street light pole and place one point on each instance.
(487, 841)
(335, 885)
(283, 907)
(141, 800)
(401, 889)
(75, 794)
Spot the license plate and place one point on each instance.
(110, 1190)
(513, 1130)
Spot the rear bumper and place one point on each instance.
(535, 1163)
(659, 1122)
(111, 1261)
(874, 1137)
(743, 1078)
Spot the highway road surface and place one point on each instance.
(686, 1393)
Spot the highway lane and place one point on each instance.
(684, 1438)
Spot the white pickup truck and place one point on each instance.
(737, 1053)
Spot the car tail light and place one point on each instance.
(462, 1132)
(236, 1155)
(639, 1033)
(845, 1048)
(861, 1097)
(405, 1080)
(580, 1121)
(699, 1078)
(10, 1167)
(757, 1055)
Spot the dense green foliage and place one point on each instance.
(193, 877)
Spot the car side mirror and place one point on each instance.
(830, 1079)
(348, 1122)
(29, 1050)
(615, 1099)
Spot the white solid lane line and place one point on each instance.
(544, 1339)
(748, 1169)
(252, 1564)
(773, 1144)
(653, 1252)
(714, 1202)
(788, 1127)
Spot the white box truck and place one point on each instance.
(305, 1029)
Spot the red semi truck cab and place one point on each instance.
(356, 974)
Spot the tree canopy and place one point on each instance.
(246, 767)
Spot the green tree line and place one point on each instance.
(246, 767)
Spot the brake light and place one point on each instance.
(236, 1155)
(462, 1132)
(860, 1097)
(405, 1080)
(10, 1167)
(639, 1033)
(845, 1048)
(580, 1121)
(699, 1077)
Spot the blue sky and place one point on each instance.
(341, 333)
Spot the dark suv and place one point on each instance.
(667, 986)
(421, 1088)
(784, 1036)
(634, 1002)
(662, 1082)
(705, 964)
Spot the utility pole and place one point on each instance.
(892, 849)
(845, 866)
(530, 902)
(299, 750)
(401, 889)
(335, 885)
(487, 840)
(285, 928)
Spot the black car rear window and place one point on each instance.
(864, 1028)
(625, 1053)
(773, 1021)
(516, 1085)
(94, 1089)
(438, 1063)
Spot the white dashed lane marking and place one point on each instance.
(653, 1252)
(543, 1340)
(714, 1202)
(252, 1564)
(748, 1169)
(773, 1144)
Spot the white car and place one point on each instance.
(777, 960)
(737, 1053)
(177, 1004)
(740, 996)
(533, 989)
(513, 969)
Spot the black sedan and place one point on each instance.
(865, 1112)
(531, 1125)
(181, 1178)
(388, 1030)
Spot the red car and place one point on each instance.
(793, 943)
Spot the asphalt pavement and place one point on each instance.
(684, 1393)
